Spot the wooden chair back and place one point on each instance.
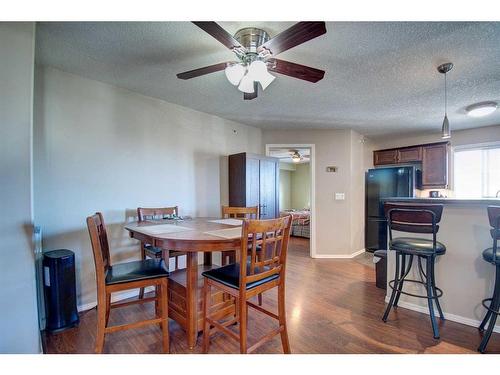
(100, 247)
(156, 213)
(240, 212)
(414, 217)
(272, 237)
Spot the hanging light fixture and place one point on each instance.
(445, 130)
(234, 73)
(257, 71)
(246, 85)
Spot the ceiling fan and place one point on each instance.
(295, 155)
(255, 51)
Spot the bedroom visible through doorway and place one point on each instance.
(295, 187)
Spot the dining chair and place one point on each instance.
(228, 212)
(148, 250)
(125, 276)
(248, 278)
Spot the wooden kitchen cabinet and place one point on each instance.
(435, 165)
(409, 154)
(383, 157)
(433, 156)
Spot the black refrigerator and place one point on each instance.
(384, 183)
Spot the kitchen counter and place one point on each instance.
(461, 273)
(450, 201)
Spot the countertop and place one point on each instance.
(450, 201)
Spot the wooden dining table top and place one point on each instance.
(191, 236)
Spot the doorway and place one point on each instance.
(296, 188)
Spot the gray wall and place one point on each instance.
(102, 148)
(19, 321)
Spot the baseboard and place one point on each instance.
(452, 317)
(339, 256)
(115, 297)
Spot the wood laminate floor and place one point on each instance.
(333, 306)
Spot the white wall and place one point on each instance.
(334, 230)
(18, 317)
(102, 148)
(301, 187)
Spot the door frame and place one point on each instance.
(311, 146)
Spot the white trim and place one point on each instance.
(312, 250)
(115, 297)
(339, 256)
(476, 146)
(448, 316)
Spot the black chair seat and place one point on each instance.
(135, 271)
(416, 246)
(230, 276)
(488, 256)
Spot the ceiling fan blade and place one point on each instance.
(299, 33)
(252, 95)
(202, 71)
(214, 29)
(295, 70)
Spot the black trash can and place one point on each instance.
(381, 268)
(60, 290)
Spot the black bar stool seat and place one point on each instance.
(417, 246)
(422, 219)
(490, 255)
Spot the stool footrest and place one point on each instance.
(439, 291)
(483, 302)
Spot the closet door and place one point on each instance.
(269, 170)
(252, 182)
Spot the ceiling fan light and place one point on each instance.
(246, 85)
(266, 80)
(257, 71)
(234, 73)
(481, 109)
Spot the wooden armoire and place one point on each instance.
(254, 181)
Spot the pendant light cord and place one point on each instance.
(445, 97)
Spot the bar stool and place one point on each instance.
(415, 218)
(490, 255)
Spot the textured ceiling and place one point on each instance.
(380, 77)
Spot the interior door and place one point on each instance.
(268, 189)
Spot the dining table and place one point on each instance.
(191, 236)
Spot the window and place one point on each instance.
(477, 171)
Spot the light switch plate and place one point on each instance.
(339, 196)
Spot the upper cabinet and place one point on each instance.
(385, 157)
(433, 156)
(410, 154)
(435, 165)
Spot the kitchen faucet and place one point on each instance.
(498, 194)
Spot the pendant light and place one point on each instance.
(445, 130)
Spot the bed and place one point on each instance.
(300, 222)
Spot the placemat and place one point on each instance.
(235, 222)
(229, 233)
